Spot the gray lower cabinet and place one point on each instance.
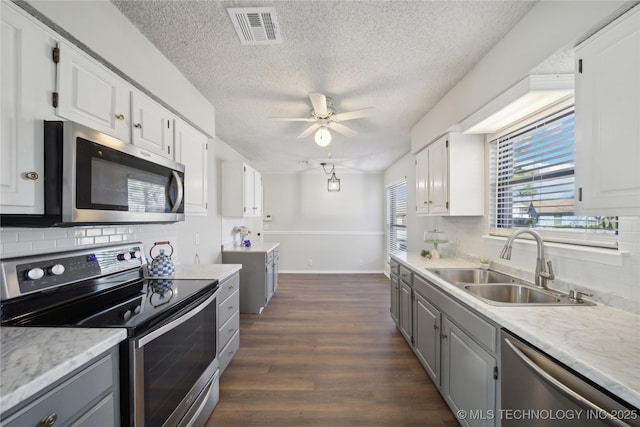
(87, 397)
(426, 336)
(228, 320)
(258, 277)
(394, 309)
(468, 376)
(456, 346)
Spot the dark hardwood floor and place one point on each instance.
(325, 352)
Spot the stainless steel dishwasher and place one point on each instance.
(538, 390)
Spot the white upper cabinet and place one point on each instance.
(90, 94)
(449, 176)
(191, 151)
(241, 190)
(28, 82)
(608, 119)
(152, 125)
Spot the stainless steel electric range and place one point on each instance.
(169, 368)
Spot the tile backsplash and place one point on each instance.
(31, 241)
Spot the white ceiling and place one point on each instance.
(399, 57)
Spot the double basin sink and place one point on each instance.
(497, 288)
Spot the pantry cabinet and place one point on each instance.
(191, 150)
(241, 190)
(28, 82)
(152, 125)
(90, 94)
(608, 119)
(449, 176)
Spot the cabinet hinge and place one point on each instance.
(446, 143)
(169, 150)
(495, 372)
(54, 99)
(580, 194)
(580, 66)
(446, 205)
(56, 55)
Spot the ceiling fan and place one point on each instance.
(324, 117)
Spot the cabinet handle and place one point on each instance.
(430, 201)
(230, 307)
(120, 116)
(231, 330)
(138, 126)
(33, 176)
(230, 352)
(230, 286)
(444, 336)
(49, 420)
(425, 202)
(435, 327)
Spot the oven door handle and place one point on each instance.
(179, 189)
(175, 323)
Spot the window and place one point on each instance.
(397, 219)
(533, 184)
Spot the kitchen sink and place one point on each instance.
(508, 293)
(497, 288)
(473, 275)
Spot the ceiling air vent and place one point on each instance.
(255, 25)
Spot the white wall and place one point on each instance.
(325, 232)
(613, 276)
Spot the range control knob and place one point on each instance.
(56, 270)
(35, 273)
(136, 254)
(127, 315)
(124, 257)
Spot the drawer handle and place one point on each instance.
(33, 176)
(49, 420)
(435, 327)
(138, 126)
(444, 336)
(230, 307)
(120, 116)
(231, 330)
(230, 352)
(230, 286)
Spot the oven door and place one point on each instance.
(174, 375)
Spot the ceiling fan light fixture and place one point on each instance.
(323, 136)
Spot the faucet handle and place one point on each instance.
(548, 273)
(577, 295)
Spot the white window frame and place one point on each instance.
(389, 223)
(572, 237)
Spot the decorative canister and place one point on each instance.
(161, 265)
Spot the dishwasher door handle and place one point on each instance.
(578, 398)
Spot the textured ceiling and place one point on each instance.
(398, 57)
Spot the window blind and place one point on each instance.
(533, 184)
(397, 219)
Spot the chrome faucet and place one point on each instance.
(544, 270)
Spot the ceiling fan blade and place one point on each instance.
(308, 131)
(319, 102)
(350, 115)
(292, 119)
(342, 129)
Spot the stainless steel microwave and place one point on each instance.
(93, 178)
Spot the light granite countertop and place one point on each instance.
(33, 358)
(600, 342)
(255, 247)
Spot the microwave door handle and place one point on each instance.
(562, 388)
(180, 190)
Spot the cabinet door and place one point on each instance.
(28, 80)
(422, 169)
(608, 120)
(191, 151)
(426, 336)
(467, 375)
(152, 125)
(249, 188)
(438, 177)
(92, 95)
(270, 283)
(257, 193)
(276, 280)
(395, 298)
(406, 317)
